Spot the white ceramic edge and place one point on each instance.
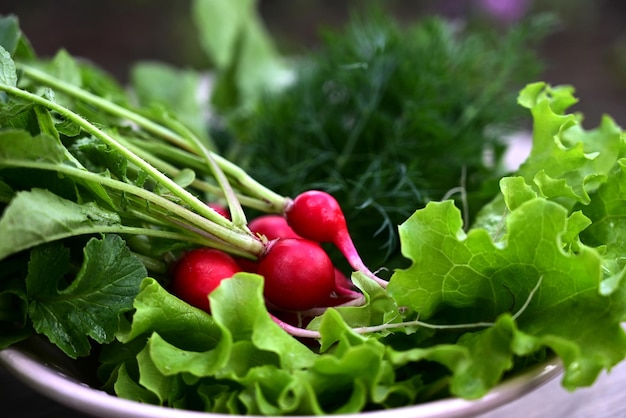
(54, 384)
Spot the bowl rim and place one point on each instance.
(57, 383)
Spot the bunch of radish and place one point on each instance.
(298, 274)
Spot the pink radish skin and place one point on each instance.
(272, 226)
(247, 265)
(298, 274)
(219, 209)
(316, 215)
(199, 272)
(343, 285)
(276, 226)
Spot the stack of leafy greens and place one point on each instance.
(98, 193)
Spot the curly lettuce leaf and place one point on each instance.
(557, 223)
(246, 364)
(378, 308)
(566, 161)
(160, 319)
(460, 278)
(607, 214)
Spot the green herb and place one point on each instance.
(388, 118)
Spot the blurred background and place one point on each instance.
(587, 49)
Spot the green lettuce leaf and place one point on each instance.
(162, 317)
(556, 225)
(566, 161)
(254, 324)
(607, 214)
(459, 278)
(237, 360)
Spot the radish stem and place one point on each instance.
(344, 242)
(240, 177)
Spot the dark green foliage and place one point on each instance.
(387, 118)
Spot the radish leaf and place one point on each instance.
(40, 216)
(8, 76)
(90, 306)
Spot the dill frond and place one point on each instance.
(387, 118)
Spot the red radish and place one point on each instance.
(247, 265)
(298, 274)
(272, 226)
(316, 215)
(199, 272)
(344, 294)
(276, 226)
(343, 285)
(219, 209)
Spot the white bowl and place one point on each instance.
(42, 368)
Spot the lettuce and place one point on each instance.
(540, 272)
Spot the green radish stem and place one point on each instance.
(192, 143)
(237, 216)
(229, 239)
(213, 222)
(199, 184)
(239, 176)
